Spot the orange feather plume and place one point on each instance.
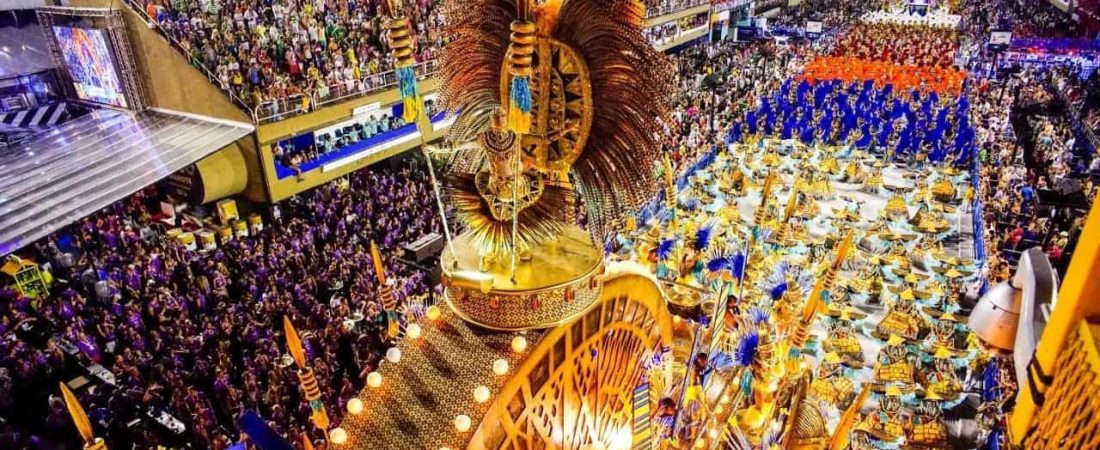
(842, 250)
(792, 201)
(841, 436)
(768, 183)
(813, 303)
(376, 258)
(294, 343)
(80, 419)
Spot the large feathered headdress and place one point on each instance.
(629, 84)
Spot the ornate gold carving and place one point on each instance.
(575, 389)
(561, 109)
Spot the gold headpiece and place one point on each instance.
(596, 91)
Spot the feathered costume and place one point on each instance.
(585, 96)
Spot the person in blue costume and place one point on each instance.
(825, 126)
(735, 134)
(807, 132)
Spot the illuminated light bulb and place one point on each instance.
(519, 344)
(719, 409)
(393, 355)
(500, 367)
(713, 433)
(700, 443)
(462, 423)
(374, 380)
(676, 319)
(481, 394)
(355, 406)
(338, 436)
(413, 331)
(433, 313)
(725, 398)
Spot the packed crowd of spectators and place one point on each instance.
(264, 50)
(199, 333)
(1018, 165)
(670, 31)
(1026, 19)
(830, 13)
(654, 8)
(1043, 19)
(719, 84)
(900, 44)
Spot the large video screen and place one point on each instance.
(88, 60)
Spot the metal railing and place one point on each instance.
(669, 7)
(282, 108)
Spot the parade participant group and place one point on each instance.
(778, 158)
(879, 150)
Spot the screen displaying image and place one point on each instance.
(88, 60)
(1000, 37)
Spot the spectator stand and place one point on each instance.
(319, 91)
(655, 9)
(183, 49)
(362, 147)
(278, 109)
(1083, 54)
(1085, 142)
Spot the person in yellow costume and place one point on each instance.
(943, 380)
(830, 385)
(886, 424)
(928, 429)
(894, 364)
(944, 331)
(841, 340)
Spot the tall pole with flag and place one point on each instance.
(310, 388)
(80, 419)
(398, 32)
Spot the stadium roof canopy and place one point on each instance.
(62, 175)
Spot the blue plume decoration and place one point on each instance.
(722, 361)
(664, 249)
(702, 237)
(778, 291)
(718, 264)
(746, 349)
(759, 315)
(737, 265)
